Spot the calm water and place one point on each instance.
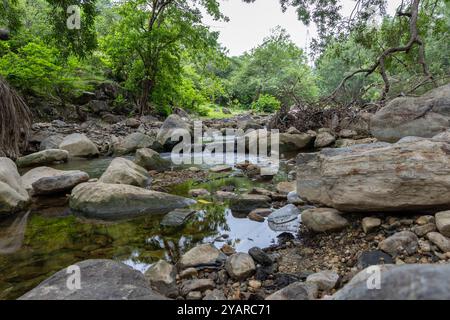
(54, 239)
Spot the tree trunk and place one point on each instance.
(147, 87)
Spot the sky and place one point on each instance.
(250, 23)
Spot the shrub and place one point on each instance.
(266, 103)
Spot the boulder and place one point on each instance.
(116, 201)
(260, 256)
(78, 145)
(196, 285)
(423, 116)
(51, 142)
(403, 282)
(423, 230)
(151, 160)
(374, 257)
(162, 278)
(286, 186)
(370, 224)
(42, 157)
(294, 142)
(324, 139)
(100, 280)
(240, 266)
(13, 195)
(57, 181)
(377, 177)
(288, 213)
(323, 220)
(249, 202)
(442, 242)
(133, 142)
(204, 255)
(173, 125)
(325, 280)
(177, 217)
(294, 198)
(403, 242)
(296, 291)
(443, 222)
(124, 171)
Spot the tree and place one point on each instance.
(333, 26)
(15, 121)
(276, 67)
(147, 41)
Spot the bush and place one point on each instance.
(266, 103)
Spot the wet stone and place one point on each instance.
(177, 217)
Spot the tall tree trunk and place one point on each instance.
(147, 87)
(15, 121)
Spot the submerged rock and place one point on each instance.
(404, 282)
(177, 218)
(123, 171)
(43, 157)
(424, 116)
(249, 202)
(13, 195)
(116, 201)
(78, 145)
(377, 177)
(100, 280)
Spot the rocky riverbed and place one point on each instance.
(108, 199)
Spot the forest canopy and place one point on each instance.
(162, 55)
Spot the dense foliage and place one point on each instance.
(162, 56)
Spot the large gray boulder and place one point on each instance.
(412, 174)
(423, 116)
(404, 282)
(100, 280)
(43, 157)
(133, 142)
(124, 171)
(78, 145)
(151, 160)
(294, 142)
(46, 180)
(117, 201)
(13, 195)
(174, 124)
(51, 142)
